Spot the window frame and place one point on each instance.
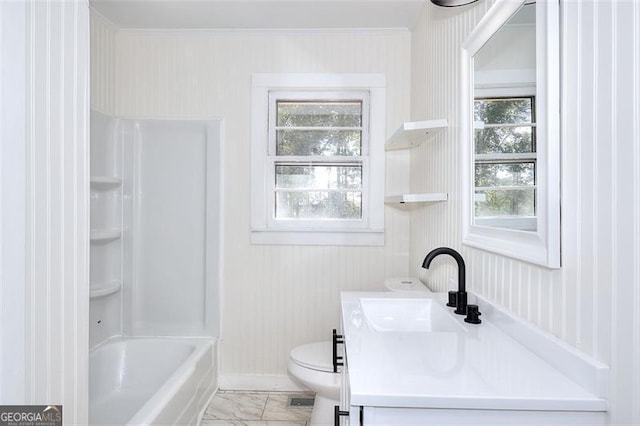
(265, 228)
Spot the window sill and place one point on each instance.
(313, 237)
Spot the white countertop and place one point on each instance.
(478, 367)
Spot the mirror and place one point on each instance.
(504, 134)
(510, 117)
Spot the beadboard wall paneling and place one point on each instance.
(12, 202)
(591, 302)
(103, 56)
(435, 92)
(273, 297)
(57, 206)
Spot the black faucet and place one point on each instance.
(459, 298)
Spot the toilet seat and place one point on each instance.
(314, 356)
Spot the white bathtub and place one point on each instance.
(151, 381)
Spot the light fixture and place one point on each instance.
(452, 3)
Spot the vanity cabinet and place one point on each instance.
(385, 416)
(409, 135)
(409, 360)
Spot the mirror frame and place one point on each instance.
(543, 246)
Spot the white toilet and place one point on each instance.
(312, 364)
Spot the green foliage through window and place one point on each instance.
(317, 187)
(505, 161)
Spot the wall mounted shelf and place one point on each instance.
(104, 289)
(104, 235)
(103, 183)
(413, 133)
(417, 198)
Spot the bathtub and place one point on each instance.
(151, 381)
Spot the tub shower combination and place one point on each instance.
(154, 306)
(147, 381)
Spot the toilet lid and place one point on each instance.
(316, 356)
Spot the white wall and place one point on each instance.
(54, 315)
(273, 297)
(166, 294)
(12, 202)
(511, 48)
(103, 63)
(591, 302)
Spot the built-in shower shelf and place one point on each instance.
(104, 235)
(104, 289)
(104, 183)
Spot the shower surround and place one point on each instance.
(155, 236)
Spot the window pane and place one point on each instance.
(505, 202)
(504, 140)
(319, 142)
(505, 189)
(323, 177)
(505, 110)
(318, 205)
(319, 114)
(505, 174)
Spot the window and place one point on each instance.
(317, 159)
(505, 162)
(317, 150)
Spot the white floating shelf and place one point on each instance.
(413, 133)
(417, 198)
(104, 235)
(104, 289)
(103, 183)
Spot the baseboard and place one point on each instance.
(259, 382)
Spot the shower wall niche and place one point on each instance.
(155, 227)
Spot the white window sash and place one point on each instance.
(504, 188)
(318, 95)
(507, 125)
(335, 224)
(506, 158)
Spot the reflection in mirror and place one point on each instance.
(504, 116)
(510, 116)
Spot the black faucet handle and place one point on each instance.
(472, 315)
(461, 303)
(452, 299)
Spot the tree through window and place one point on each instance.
(320, 143)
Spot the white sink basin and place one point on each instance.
(407, 314)
(512, 371)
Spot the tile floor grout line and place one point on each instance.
(266, 402)
(272, 400)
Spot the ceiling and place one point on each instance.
(260, 14)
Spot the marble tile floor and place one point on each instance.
(236, 408)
